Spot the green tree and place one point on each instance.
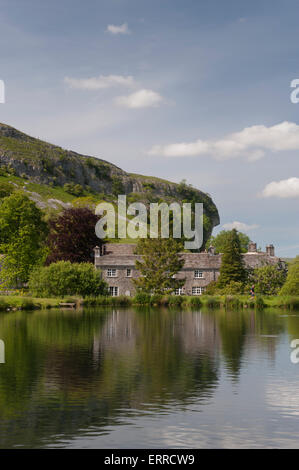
(6, 189)
(158, 266)
(66, 278)
(22, 235)
(219, 241)
(232, 264)
(268, 280)
(291, 286)
(117, 186)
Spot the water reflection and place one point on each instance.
(80, 377)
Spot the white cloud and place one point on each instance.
(283, 189)
(114, 29)
(140, 99)
(251, 143)
(101, 82)
(240, 226)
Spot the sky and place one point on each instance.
(178, 89)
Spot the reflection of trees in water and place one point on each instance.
(245, 329)
(72, 370)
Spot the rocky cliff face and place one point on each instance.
(47, 164)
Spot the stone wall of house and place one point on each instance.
(121, 257)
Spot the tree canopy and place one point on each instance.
(22, 235)
(268, 280)
(232, 264)
(291, 286)
(220, 240)
(160, 263)
(66, 278)
(72, 236)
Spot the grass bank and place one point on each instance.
(10, 302)
(217, 301)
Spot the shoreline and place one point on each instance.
(13, 303)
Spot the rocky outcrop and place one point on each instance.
(44, 163)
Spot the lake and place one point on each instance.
(149, 378)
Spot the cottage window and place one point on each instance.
(113, 291)
(128, 272)
(111, 272)
(179, 291)
(198, 274)
(197, 290)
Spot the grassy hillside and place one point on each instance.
(54, 177)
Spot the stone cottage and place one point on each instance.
(117, 263)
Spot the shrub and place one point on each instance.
(291, 287)
(233, 302)
(268, 280)
(259, 302)
(175, 300)
(66, 278)
(195, 301)
(233, 288)
(156, 299)
(212, 302)
(142, 298)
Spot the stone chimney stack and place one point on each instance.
(97, 251)
(211, 250)
(252, 247)
(270, 250)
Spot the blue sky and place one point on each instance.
(178, 89)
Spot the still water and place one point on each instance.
(113, 378)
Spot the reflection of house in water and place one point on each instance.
(199, 332)
(196, 332)
(118, 333)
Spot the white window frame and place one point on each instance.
(198, 274)
(179, 291)
(130, 270)
(111, 272)
(113, 291)
(197, 290)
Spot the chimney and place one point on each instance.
(211, 250)
(252, 247)
(270, 250)
(97, 251)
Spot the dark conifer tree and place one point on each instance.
(232, 265)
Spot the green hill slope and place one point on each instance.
(53, 177)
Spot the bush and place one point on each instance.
(195, 301)
(156, 299)
(212, 302)
(259, 302)
(268, 280)
(142, 298)
(291, 287)
(66, 278)
(175, 300)
(233, 288)
(233, 302)
(74, 189)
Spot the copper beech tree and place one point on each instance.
(72, 236)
